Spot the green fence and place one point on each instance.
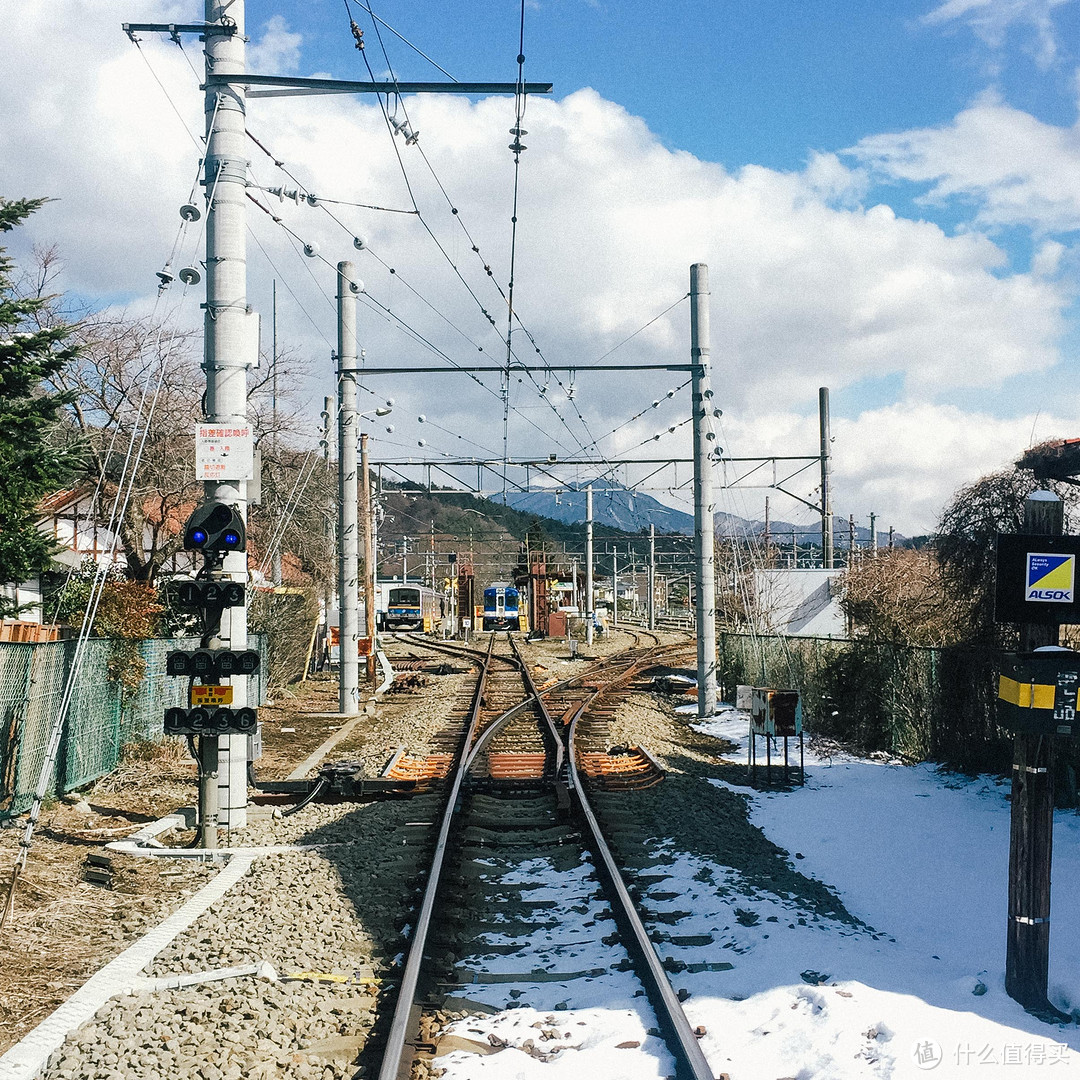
(920, 704)
(101, 718)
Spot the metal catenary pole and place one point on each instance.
(652, 577)
(826, 479)
(590, 613)
(1027, 949)
(225, 333)
(370, 591)
(704, 530)
(348, 526)
(614, 587)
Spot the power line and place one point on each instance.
(412, 138)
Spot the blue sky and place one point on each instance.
(761, 81)
(888, 198)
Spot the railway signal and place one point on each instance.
(212, 663)
(215, 529)
(200, 595)
(203, 720)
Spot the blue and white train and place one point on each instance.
(501, 611)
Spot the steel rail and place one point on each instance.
(477, 656)
(691, 1063)
(403, 1008)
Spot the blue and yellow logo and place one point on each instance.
(1050, 578)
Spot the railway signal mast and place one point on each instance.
(227, 326)
(230, 328)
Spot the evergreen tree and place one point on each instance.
(35, 458)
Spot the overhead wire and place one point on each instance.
(391, 128)
(369, 301)
(318, 201)
(520, 105)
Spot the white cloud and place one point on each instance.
(992, 19)
(1018, 170)
(904, 462)
(277, 52)
(809, 287)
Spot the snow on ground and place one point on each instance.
(921, 857)
(914, 988)
(542, 1036)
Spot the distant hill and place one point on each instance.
(618, 507)
(614, 506)
(617, 512)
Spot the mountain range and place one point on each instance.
(620, 508)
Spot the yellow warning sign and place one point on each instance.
(211, 695)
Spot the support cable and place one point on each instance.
(369, 301)
(121, 501)
(412, 139)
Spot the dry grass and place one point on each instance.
(62, 929)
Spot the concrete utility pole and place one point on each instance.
(1027, 947)
(224, 338)
(370, 584)
(768, 535)
(228, 329)
(348, 526)
(590, 613)
(615, 587)
(826, 478)
(704, 528)
(873, 532)
(652, 577)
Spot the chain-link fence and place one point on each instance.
(102, 716)
(936, 704)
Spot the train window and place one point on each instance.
(405, 597)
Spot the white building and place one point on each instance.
(800, 602)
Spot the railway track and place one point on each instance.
(513, 899)
(524, 898)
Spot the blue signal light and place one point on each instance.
(198, 536)
(231, 539)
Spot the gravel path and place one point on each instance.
(332, 912)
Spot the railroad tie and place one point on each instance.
(517, 766)
(615, 772)
(432, 767)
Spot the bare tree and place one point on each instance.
(898, 595)
(135, 392)
(966, 537)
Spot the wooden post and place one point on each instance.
(1027, 951)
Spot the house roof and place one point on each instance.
(61, 500)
